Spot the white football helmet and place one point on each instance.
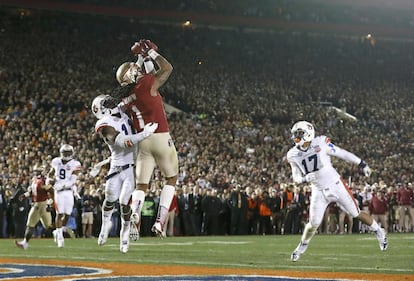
(128, 73)
(302, 132)
(104, 105)
(66, 152)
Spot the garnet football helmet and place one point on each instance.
(39, 169)
(128, 73)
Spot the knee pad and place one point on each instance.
(126, 212)
(107, 206)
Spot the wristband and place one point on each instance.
(362, 164)
(149, 66)
(153, 54)
(140, 60)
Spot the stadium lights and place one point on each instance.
(187, 23)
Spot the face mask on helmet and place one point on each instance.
(302, 132)
(66, 152)
(104, 105)
(128, 73)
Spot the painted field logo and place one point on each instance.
(13, 271)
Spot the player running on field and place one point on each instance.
(41, 194)
(311, 163)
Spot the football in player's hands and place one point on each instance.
(136, 49)
(147, 44)
(142, 47)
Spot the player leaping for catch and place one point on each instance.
(140, 82)
(311, 163)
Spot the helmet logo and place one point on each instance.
(95, 109)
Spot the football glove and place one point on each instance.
(309, 177)
(365, 168)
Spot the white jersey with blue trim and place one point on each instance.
(64, 171)
(120, 156)
(317, 159)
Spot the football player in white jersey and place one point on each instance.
(63, 177)
(311, 163)
(114, 127)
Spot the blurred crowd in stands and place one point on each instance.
(239, 92)
(368, 13)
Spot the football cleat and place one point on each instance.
(22, 245)
(103, 235)
(133, 232)
(157, 229)
(60, 243)
(382, 239)
(300, 249)
(124, 246)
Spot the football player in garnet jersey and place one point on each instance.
(140, 82)
(311, 163)
(42, 195)
(114, 127)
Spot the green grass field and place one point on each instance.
(327, 253)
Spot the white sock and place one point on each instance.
(138, 197)
(374, 226)
(107, 215)
(308, 233)
(124, 222)
(166, 196)
(59, 232)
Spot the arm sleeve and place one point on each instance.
(72, 180)
(296, 174)
(129, 141)
(343, 154)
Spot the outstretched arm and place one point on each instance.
(163, 73)
(113, 137)
(349, 157)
